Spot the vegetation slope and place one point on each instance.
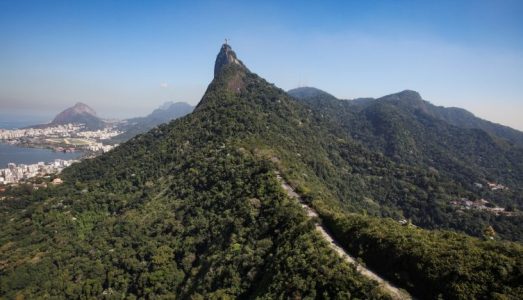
(192, 209)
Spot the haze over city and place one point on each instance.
(126, 58)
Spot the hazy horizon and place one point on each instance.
(125, 59)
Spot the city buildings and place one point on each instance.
(16, 173)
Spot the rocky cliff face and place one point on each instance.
(225, 57)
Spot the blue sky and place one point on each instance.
(124, 58)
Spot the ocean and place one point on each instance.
(19, 123)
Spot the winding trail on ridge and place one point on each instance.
(392, 290)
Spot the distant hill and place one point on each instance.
(310, 93)
(412, 100)
(80, 113)
(165, 113)
(455, 116)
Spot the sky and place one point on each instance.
(125, 58)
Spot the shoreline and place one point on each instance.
(21, 154)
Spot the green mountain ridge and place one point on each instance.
(452, 115)
(192, 209)
(402, 128)
(191, 214)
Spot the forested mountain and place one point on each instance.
(193, 209)
(183, 210)
(459, 162)
(455, 116)
(412, 100)
(310, 94)
(167, 112)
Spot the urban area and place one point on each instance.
(66, 138)
(61, 138)
(16, 173)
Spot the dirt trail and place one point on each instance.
(393, 291)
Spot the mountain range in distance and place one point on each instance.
(167, 112)
(465, 153)
(81, 113)
(410, 99)
(263, 194)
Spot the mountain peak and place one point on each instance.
(80, 113)
(410, 94)
(166, 105)
(406, 97)
(309, 92)
(83, 108)
(224, 58)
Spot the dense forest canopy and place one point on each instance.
(193, 209)
(425, 166)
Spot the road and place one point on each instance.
(393, 291)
